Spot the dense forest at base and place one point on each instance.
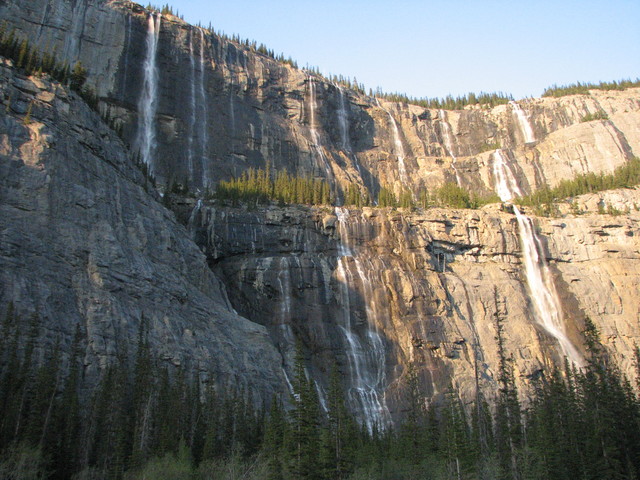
(145, 419)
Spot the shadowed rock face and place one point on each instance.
(84, 242)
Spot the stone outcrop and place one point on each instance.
(84, 239)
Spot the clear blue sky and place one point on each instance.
(433, 48)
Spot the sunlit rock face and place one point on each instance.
(427, 285)
(229, 292)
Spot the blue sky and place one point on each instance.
(432, 48)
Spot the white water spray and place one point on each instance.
(148, 104)
(523, 121)
(365, 352)
(232, 113)
(539, 280)
(447, 138)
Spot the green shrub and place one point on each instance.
(600, 115)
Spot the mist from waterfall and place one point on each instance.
(542, 290)
(148, 103)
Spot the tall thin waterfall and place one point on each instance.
(204, 118)
(192, 109)
(148, 103)
(447, 138)
(365, 350)
(232, 113)
(315, 137)
(542, 290)
(523, 121)
(399, 149)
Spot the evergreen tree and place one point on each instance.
(305, 422)
(508, 422)
(273, 444)
(78, 77)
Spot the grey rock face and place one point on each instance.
(83, 243)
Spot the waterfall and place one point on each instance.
(315, 137)
(192, 109)
(399, 149)
(232, 114)
(523, 122)
(542, 290)
(365, 352)
(446, 138)
(204, 119)
(506, 183)
(148, 103)
(194, 213)
(343, 122)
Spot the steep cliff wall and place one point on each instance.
(83, 244)
(378, 290)
(222, 107)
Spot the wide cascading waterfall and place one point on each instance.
(523, 122)
(447, 139)
(542, 290)
(148, 103)
(364, 346)
(315, 137)
(204, 117)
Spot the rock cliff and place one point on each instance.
(228, 291)
(83, 243)
(220, 107)
(379, 290)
